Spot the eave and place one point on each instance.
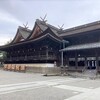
(81, 29)
(41, 36)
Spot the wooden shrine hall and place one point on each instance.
(74, 49)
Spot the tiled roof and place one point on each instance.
(81, 29)
(82, 46)
(24, 32)
(44, 26)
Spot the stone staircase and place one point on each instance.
(91, 74)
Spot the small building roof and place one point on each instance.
(82, 47)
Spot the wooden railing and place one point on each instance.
(38, 57)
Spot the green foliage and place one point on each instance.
(2, 55)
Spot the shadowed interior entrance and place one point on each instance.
(91, 64)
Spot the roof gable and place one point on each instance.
(40, 27)
(21, 34)
(48, 33)
(36, 31)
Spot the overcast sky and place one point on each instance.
(14, 13)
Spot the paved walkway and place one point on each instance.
(26, 86)
(87, 95)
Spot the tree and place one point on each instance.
(2, 55)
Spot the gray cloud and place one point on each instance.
(69, 12)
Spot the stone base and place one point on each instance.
(44, 70)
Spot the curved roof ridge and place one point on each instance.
(23, 32)
(46, 24)
(82, 26)
(26, 29)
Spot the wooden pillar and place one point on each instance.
(85, 62)
(68, 62)
(47, 52)
(97, 65)
(61, 58)
(76, 61)
(62, 66)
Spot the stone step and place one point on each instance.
(91, 74)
